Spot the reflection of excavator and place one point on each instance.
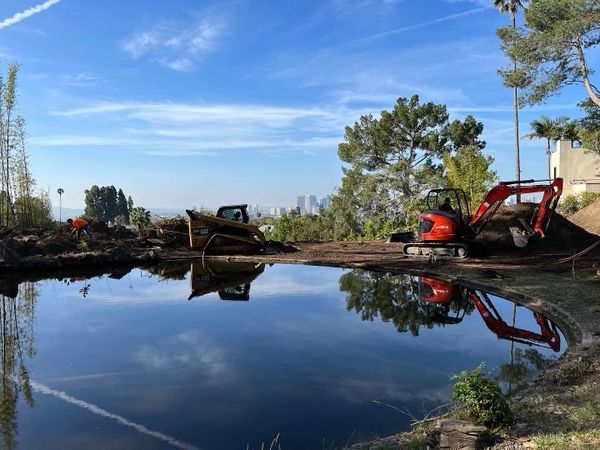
(230, 279)
(226, 233)
(439, 292)
(446, 230)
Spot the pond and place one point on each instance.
(230, 356)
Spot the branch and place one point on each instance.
(584, 73)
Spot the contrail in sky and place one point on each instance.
(27, 13)
(424, 24)
(43, 389)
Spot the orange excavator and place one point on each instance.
(440, 292)
(446, 230)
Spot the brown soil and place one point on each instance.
(561, 235)
(588, 217)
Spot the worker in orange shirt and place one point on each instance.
(80, 227)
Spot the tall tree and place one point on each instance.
(394, 158)
(469, 169)
(589, 131)
(60, 192)
(122, 208)
(93, 203)
(551, 49)
(549, 129)
(511, 7)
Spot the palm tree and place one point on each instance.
(549, 129)
(511, 7)
(571, 131)
(60, 193)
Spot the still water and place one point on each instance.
(230, 356)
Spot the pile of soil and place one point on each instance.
(173, 231)
(588, 217)
(562, 234)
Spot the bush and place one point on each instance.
(481, 397)
(572, 203)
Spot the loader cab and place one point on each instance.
(436, 201)
(235, 213)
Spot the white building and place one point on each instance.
(310, 204)
(579, 168)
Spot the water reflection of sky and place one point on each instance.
(214, 374)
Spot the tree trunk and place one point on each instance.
(585, 73)
(516, 106)
(549, 153)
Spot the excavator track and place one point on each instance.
(453, 249)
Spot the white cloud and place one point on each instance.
(187, 349)
(176, 46)
(427, 23)
(27, 13)
(175, 129)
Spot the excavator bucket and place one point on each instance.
(520, 237)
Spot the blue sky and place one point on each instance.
(187, 103)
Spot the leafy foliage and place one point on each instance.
(106, 203)
(469, 170)
(396, 299)
(572, 203)
(481, 397)
(589, 133)
(140, 217)
(19, 205)
(393, 161)
(551, 48)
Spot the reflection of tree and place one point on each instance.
(524, 366)
(17, 341)
(396, 298)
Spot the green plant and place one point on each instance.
(481, 398)
(82, 246)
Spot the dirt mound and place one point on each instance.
(173, 231)
(588, 218)
(562, 234)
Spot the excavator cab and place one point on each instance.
(453, 201)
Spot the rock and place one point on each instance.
(460, 435)
(8, 250)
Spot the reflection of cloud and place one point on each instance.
(284, 285)
(359, 391)
(43, 389)
(187, 349)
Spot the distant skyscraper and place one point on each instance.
(310, 205)
(326, 202)
(301, 203)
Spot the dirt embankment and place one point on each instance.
(588, 217)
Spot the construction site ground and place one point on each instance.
(559, 411)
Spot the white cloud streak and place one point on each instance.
(27, 13)
(423, 24)
(176, 46)
(94, 409)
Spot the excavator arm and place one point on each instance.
(537, 225)
(548, 334)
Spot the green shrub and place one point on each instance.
(572, 203)
(481, 397)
